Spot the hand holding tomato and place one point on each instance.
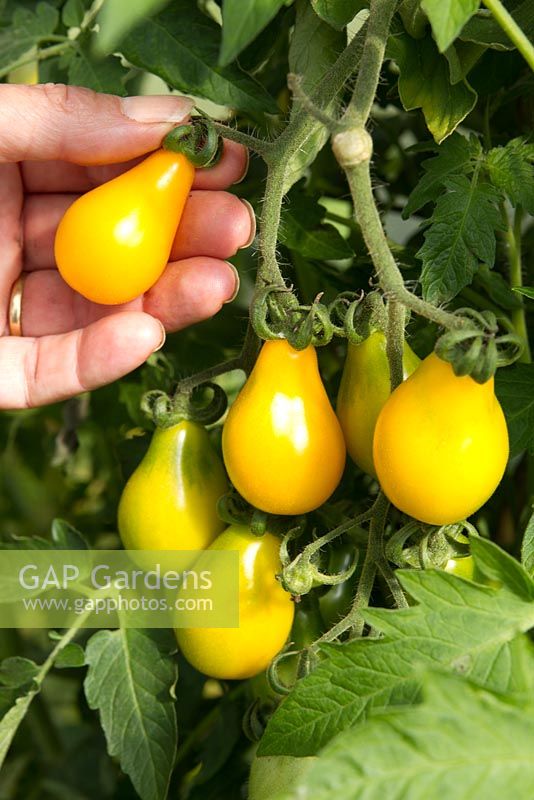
(56, 143)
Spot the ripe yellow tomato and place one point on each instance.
(440, 444)
(265, 612)
(169, 502)
(282, 443)
(113, 243)
(365, 387)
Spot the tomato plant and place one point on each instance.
(384, 312)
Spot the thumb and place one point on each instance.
(53, 121)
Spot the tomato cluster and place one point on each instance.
(437, 444)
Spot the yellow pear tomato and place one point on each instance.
(265, 612)
(169, 502)
(282, 443)
(114, 242)
(440, 444)
(365, 387)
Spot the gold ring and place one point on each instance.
(15, 307)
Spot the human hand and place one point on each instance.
(55, 143)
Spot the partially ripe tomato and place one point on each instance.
(282, 443)
(440, 444)
(265, 612)
(365, 387)
(170, 501)
(114, 242)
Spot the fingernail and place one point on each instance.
(163, 337)
(244, 175)
(252, 216)
(237, 283)
(156, 108)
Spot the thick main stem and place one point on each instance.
(364, 93)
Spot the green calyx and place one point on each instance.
(197, 140)
(302, 574)
(478, 348)
(204, 404)
(422, 546)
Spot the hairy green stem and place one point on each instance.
(392, 582)
(388, 273)
(269, 271)
(259, 146)
(395, 342)
(513, 241)
(373, 557)
(508, 24)
(345, 527)
(371, 62)
(245, 361)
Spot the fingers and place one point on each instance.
(53, 121)
(39, 371)
(201, 286)
(60, 176)
(10, 245)
(232, 168)
(213, 224)
(188, 291)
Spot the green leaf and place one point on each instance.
(461, 234)
(461, 742)
(527, 291)
(425, 83)
(413, 18)
(118, 17)
(527, 547)
(511, 169)
(181, 45)
(66, 537)
(456, 156)
(314, 48)
(301, 230)
(130, 681)
(73, 12)
(514, 387)
(17, 671)
(338, 13)
(242, 23)
(10, 722)
(497, 565)
(70, 656)
(101, 76)
(497, 288)
(457, 624)
(483, 29)
(462, 57)
(448, 17)
(27, 29)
